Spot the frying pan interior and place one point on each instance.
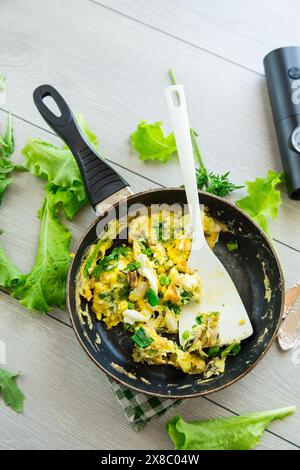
(256, 273)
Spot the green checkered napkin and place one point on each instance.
(138, 408)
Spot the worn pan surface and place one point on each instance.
(254, 268)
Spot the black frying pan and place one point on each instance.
(253, 268)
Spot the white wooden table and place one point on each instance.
(109, 58)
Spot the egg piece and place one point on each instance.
(159, 253)
(172, 294)
(138, 228)
(132, 316)
(139, 291)
(146, 270)
(189, 282)
(171, 322)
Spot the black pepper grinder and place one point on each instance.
(282, 69)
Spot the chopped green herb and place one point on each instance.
(232, 245)
(105, 295)
(131, 305)
(151, 352)
(152, 298)
(176, 308)
(186, 296)
(147, 251)
(141, 338)
(134, 266)
(91, 258)
(159, 231)
(165, 280)
(232, 350)
(107, 261)
(185, 335)
(213, 351)
(199, 320)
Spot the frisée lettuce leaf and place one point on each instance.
(263, 199)
(7, 147)
(151, 143)
(58, 166)
(8, 271)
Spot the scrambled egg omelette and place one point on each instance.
(144, 283)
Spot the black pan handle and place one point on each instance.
(100, 180)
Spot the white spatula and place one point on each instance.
(219, 293)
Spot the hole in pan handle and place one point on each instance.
(100, 180)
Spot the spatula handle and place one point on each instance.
(180, 124)
(101, 181)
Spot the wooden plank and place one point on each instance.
(242, 32)
(69, 403)
(118, 89)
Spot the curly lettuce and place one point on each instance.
(58, 166)
(263, 199)
(7, 147)
(151, 143)
(9, 273)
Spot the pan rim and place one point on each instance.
(199, 393)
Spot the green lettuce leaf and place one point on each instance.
(71, 199)
(4, 183)
(7, 146)
(92, 138)
(58, 166)
(151, 143)
(263, 200)
(234, 433)
(7, 141)
(45, 286)
(8, 271)
(11, 394)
